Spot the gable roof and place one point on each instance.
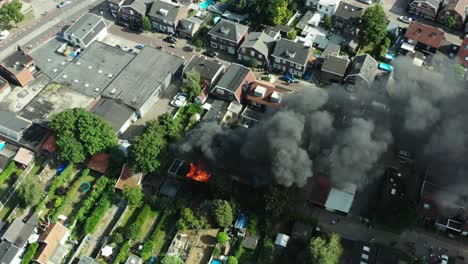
(24, 156)
(233, 77)
(305, 20)
(50, 144)
(8, 252)
(137, 5)
(128, 178)
(99, 162)
(259, 41)
(207, 69)
(50, 239)
(458, 6)
(433, 3)
(86, 27)
(291, 51)
(190, 25)
(229, 30)
(364, 65)
(15, 61)
(336, 65)
(348, 11)
(165, 10)
(425, 34)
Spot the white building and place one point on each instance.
(323, 7)
(87, 29)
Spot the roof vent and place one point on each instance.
(290, 54)
(224, 30)
(17, 63)
(76, 81)
(86, 84)
(345, 7)
(352, 9)
(49, 60)
(110, 75)
(113, 91)
(97, 90)
(90, 67)
(78, 63)
(64, 76)
(63, 63)
(135, 99)
(100, 71)
(163, 12)
(54, 70)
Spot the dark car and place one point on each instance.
(171, 40)
(210, 53)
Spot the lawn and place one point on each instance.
(9, 206)
(164, 233)
(129, 213)
(75, 196)
(148, 224)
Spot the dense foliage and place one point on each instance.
(373, 26)
(87, 205)
(29, 192)
(222, 238)
(80, 134)
(172, 260)
(326, 251)
(30, 253)
(144, 153)
(133, 196)
(11, 12)
(123, 253)
(57, 182)
(188, 220)
(222, 212)
(99, 211)
(191, 85)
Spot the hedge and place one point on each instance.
(86, 206)
(58, 181)
(155, 236)
(98, 213)
(123, 253)
(30, 253)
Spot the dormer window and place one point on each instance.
(260, 91)
(418, 31)
(224, 30)
(163, 11)
(290, 54)
(433, 35)
(275, 97)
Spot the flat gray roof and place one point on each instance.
(115, 113)
(13, 122)
(94, 69)
(142, 76)
(48, 60)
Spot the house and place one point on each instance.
(323, 7)
(362, 72)
(5, 88)
(116, 113)
(334, 69)
(290, 57)
(424, 8)
(227, 35)
(49, 146)
(88, 28)
(114, 6)
(10, 253)
(423, 37)
(234, 83)
(457, 9)
(19, 232)
(189, 27)
(12, 126)
(165, 16)
(131, 14)
(463, 52)
(18, 68)
(144, 79)
(52, 246)
(347, 18)
(332, 198)
(99, 162)
(23, 157)
(262, 94)
(210, 72)
(257, 46)
(128, 178)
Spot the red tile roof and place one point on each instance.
(270, 88)
(50, 144)
(99, 162)
(425, 34)
(463, 52)
(128, 178)
(50, 239)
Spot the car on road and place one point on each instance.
(289, 78)
(210, 53)
(179, 100)
(118, 46)
(367, 2)
(140, 46)
(405, 19)
(23, 94)
(4, 34)
(171, 40)
(64, 4)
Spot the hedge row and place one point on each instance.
(98, 213)
(156, 236)
(30, 253)
(123, 253)
(58, 181)
(87, 205)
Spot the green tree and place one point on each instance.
(241, 5)
(267, 252)
(11, 12)
(188, 220)
(29, 192)
(171, 260)
(191, 85)
(170, 126)
(132, 232)
(326, 251)
(80, 134)
(232, 260)
(327, 22)
(292, 34)
(384, 47)
(144, 153)
(222, 212)
(373, 25)
(133, 196)
(199, 43)
(116, 162)
(117, 237)
(146, 23)
(278, 199)
(222, 238)
(280, 12)
(450, 21)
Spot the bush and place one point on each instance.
(199, 43)
(98, 213)
(117, 237)
(216, 252)
(222, 212)
(252, 225)
(123, 253)
(86, 206)
(147, 250)
(30, 253)
(58, 181)
(232, 260)
(133, 196)
(222, 238)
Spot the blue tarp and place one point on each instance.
(241, 221)
(385, 67)
(2, 144)
(61, 168)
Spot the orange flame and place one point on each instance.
(198, 174)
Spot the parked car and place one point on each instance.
(180, 95)
(64, 4)
(179, 99)
(4, 34)
(118, 46)
(126, 48)
(405, 19)
(171, 40)
(289, 78)
(210, 53)
(368, 2)
(139, 46)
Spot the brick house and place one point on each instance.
(463, 52)
(210, 72)
(114, 6)
(423, 37)
(18, 68)
(425, 8)
(290, 57)
(262, 94)
(165, 16)
(347, 18)
(131, 14)
(455, 8)
(257, 45)
(234, 83)
(227, 36)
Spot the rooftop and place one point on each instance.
(348, 11)
(259, 41)
(271, 95)
(217, 111)
(99, 162)
(425, 34)
(336, 65)
(8, 252)
(165, 10)
(24, 156)
(95, 68)
(114, 112)
(229, 30)
(291, 51)
(13, 122)
(364, 65)
(86, 27)
(205, 67)
(128, 178)
(233, 77)
(142, 76)
(51, 238)
(48, 60)
(16, 61)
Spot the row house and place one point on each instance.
(210, 72)
(233, 84)
(114, 6)
(347, 17)
(425, 8)
(131, 14)
(290, 57)
(457, 9)
(227, 36)
(257, 46)
(323, 7)
(165, 16)
(423, 37)
(262, 94)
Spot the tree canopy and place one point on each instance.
(222, 238)
(191, 85)
(232, 260)
(171, 260)
(222, 212)
(450, 21)
(80, 134)
(267, 252)
(146, 23)
(271, 12)
(11, 12)
(188, 220)
(326, 251)
(373, 26)
(133, 196)
(29, 192)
